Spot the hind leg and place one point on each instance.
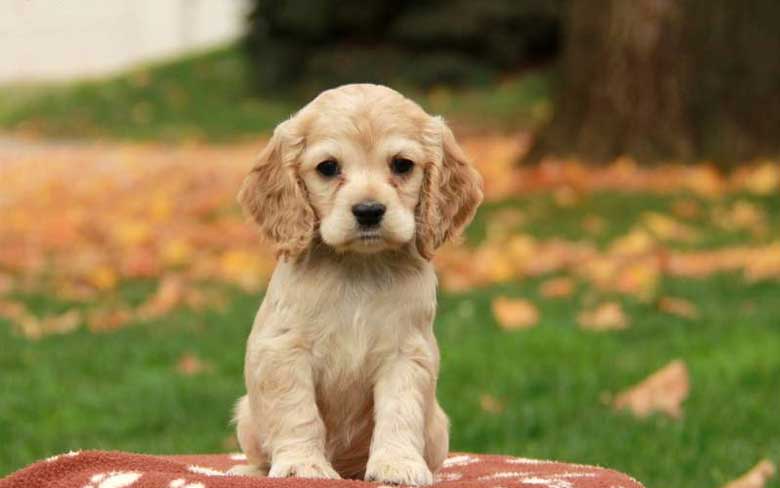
(247, 433)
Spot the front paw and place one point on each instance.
(398, 470)
(303, 468)
(247, 470)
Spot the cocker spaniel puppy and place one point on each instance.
(355, 192)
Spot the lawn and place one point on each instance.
(149, 249)
(127, 389)
(207, 97)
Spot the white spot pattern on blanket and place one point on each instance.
(194, 468)
(462, 460)
(60, 456)
(182, 483)
(113, 479)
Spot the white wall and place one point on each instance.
(65, 39)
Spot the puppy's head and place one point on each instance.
(363, 169)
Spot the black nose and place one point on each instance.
(368, 213)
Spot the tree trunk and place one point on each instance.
(663, 80)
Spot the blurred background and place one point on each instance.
(615, 301)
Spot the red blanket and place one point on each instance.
(101, 469)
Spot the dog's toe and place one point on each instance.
(398, 470)
(247, 470)
(314, 468)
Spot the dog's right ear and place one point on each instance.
(274, 196)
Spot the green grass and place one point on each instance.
(620, 212)
(122, 391)
(207, 96)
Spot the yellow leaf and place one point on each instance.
(102, 277)
(663, 391)
(131, 233)
(666, 228)
(607, 316)
(176, 252)
(764, 179)
(490, 404)
(34, 328)
(639, 278)
(637, 241)
(705, 181)
(515, 313)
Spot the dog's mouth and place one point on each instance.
(370, 237)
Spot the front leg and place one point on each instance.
(282, 400)
(402, 394)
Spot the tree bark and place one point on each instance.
(663, 80)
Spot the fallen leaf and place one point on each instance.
(686, 209)
(169, 294)
(490, 404)
(566, 197)
(678, 306)
(607, 316)
(189, 364)
(666, 228)
(34, 328)
(515, 313)
(557, 287)
(108, 318)
(637, 241)
(12, 310)
(594, 225)
(756, 477)
(764, 179)
(6, 283)
(639, 278)
(663, 391)
(102, 278)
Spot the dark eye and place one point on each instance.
(401, 165)
(329, 168)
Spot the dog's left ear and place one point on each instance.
(273, 195)
(452, 191)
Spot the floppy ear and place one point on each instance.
(452, 191)
(273, 195)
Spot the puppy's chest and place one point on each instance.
(353, 335)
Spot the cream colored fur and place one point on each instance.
(341, 364)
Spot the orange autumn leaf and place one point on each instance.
(557, 287)
(757, 477)
(515, 313)
(108, 318)
(678, 306)
(686, 209)
(663, 392)
(169, 294)
(190, 364)
(607, 316)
